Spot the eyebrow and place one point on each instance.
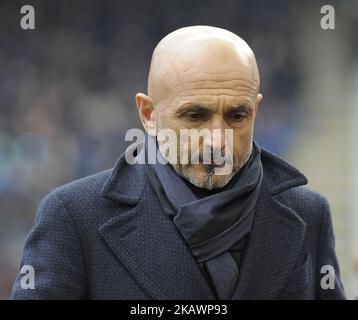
(245, 108)
(192, 108)
(240, 108)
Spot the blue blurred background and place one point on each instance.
(67, 98)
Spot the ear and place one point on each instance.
(258, 101)
(145, 109)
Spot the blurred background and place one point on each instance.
(67, 98)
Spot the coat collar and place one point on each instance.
(126, 182)
(280, 175)
(147, 242)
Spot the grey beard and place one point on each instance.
(207, 182)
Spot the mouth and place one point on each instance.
(212, 167)
(215, 165)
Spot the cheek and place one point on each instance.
(163, 121)
(242, 140)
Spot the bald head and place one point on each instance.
(199, 53)
(203, 78)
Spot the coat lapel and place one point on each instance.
(148, 244)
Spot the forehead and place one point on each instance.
(207, 71)
(210, 86)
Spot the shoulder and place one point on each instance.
(72, 200)
(84, 188)
(304, 197)
(288, 186)
(310, 205)
(79, 190)
(94, 199)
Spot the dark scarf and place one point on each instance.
(213, 223)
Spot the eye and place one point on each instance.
(236, 116)
(196, 116)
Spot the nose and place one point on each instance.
(217, 129)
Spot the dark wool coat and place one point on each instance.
(106, 237)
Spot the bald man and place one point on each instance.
(175, 229)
